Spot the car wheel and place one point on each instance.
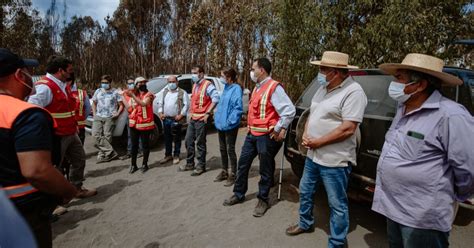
(297, 169)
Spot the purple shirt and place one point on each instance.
(427, 162)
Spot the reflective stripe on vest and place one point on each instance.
(263, 102)
(81, 102)
(63, 115)
(19, 190)
(81, 122)
(144, 113)
(142, 125)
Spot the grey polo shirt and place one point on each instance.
(346, 102)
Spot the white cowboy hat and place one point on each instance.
(140, 79)
(335, 60)
(422, 63)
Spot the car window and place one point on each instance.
(186, 85)
(307, 96)
(155, 85)
(379, 103)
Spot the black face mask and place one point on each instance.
(142, 88)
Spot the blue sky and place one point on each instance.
(98, 9)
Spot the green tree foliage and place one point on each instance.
(153, 37)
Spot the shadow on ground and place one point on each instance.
(106, 191)
(71, 220)
(105, 171)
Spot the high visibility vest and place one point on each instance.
(262, 116)
(200, 101)
(62, 108)
(80, 96)
(143, 118)
(131, 114)
(13, 182)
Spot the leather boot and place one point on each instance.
(144, 168)
(133, 168)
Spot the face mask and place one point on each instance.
(195, 78)
(396, 91)
(142, 87)
(172, 86)
(105, 86)
(223, 80)
(253, 77)
(32, 89)
(322, 79)
(131, 86)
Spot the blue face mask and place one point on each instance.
(105, 86)
(172, 86)
(195, 78)
(322, 79)
(223, 80)
(396, 91)
(131, 86)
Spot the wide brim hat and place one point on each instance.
(140, 79)
(334, 60)
(422, 63)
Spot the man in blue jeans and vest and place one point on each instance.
(270, 113)
(337, 108)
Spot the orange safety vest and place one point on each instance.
(80, 96)
(262, 116)
(200, 101)
(61, 108)
(19, 186)
(131, 114)
(142, 117)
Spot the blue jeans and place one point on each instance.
(408, 237)
(335, 180)
(172, 131)
(266, 149)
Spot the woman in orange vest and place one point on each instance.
(141, 121)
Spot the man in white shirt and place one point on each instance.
(172, 104)
(337, 108)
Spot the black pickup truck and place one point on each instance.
(377, 120)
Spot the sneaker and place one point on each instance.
(230, 180)
(261, 208)
(112, 157)
(186, 167)
(233, 200)
(176, 160)
(166, 159)
(101, 160)
(84, 193)
(198, 172)
(126, 156)
(59, 210)
(221, 176)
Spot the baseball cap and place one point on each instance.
(10, 62)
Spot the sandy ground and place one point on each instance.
(166, 208)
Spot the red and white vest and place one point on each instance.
(200, 101)
(61, 108)
(80, 96)
(141, 117)
(262, 116)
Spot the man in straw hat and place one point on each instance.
(337, 108)
(427, 163)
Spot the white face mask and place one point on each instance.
(253, 77)
(195, 78)
(396, 91)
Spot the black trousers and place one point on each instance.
(82, 135)
(38, 216)
(144, 136)
(227, 148)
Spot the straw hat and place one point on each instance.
(335, 60)
(422, 63)
(140, 79)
